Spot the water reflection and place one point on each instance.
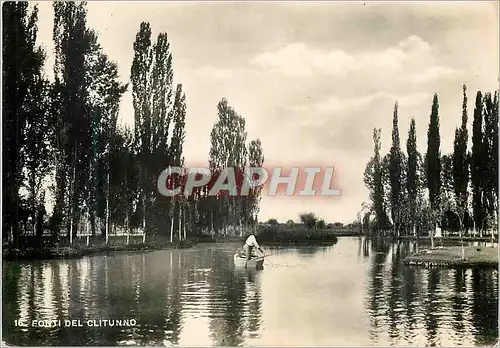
(436, 307)
(357, 292)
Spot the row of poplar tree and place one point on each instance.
(64, 147)
(413, 194)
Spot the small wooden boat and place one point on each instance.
(240, 260)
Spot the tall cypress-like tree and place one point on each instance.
(176, 157)
(477, 164)
(460, 160)
(141, 94)
(490, 165)
(433, 160)
(22, 63)
(447, 188)
(395, 172)
(412, 180)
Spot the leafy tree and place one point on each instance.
(308, 219)
(228, 149)
(273, 222)
(374, 180)
(156, 110)
(22, 63)
(176, 155)
(74, 45)
(412, 179)
(124, 180)
(37, 150)
(447, 187)
(140, 77)
(395, 172)
(105, 95)
(86, 102)
(433, 160)
(490, 155)
(460, 159)
(321, 224)
(477, 162)
(255, 159)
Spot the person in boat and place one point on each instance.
(250, 245)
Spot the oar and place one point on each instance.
(269, 260)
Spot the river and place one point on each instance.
(353, 293)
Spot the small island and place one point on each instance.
(454, 257)
(310, 230)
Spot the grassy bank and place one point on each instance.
(452, 257)
(451, 238)
(78, 249)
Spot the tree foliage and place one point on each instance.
(395, 172)
(446, 177)
(308, 219)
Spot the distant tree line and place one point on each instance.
(412, 193)
(64, 147)
(310, 220)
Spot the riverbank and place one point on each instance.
(450, 238)
(77, 251)
(272, 237)
(475, 257)
(300, 243)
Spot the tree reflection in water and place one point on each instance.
(402, 301)
(200, 295)
(227, 309)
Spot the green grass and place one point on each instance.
(79, 249)
(452, 257)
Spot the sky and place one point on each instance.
(312, 79)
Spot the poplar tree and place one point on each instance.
(86, 102)
(395, 162)
(476, 163)
(179, 209)
(255, 159)
(412, 179)
(22, 63)
(460, 160)
(153, 99)
(74, 42)
(433, 162)
(490, 155)
(374, 180)
(228, 149)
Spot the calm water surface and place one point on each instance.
(354, 293)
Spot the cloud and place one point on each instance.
(298, 59)
(213, 72)
(434, 73)
(337, 104)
